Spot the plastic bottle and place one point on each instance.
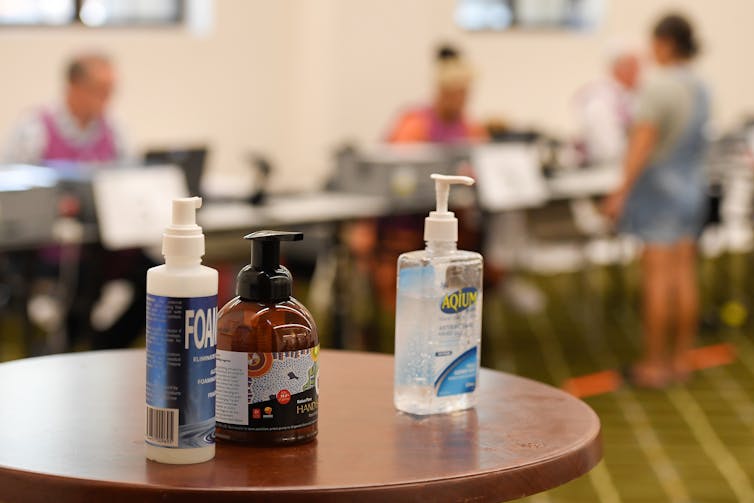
(267, 354)
(181, 339)
(439, 316)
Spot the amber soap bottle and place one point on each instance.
(267, 363)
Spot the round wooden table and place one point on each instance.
(71, 429)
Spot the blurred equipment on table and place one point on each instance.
(192, 162)
(397, 172)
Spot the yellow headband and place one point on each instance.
(454, 73)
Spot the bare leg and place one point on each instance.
(657, 276)
(686, 296)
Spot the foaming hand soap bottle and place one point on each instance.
(438, 322)
(181, 336)
(267, 354)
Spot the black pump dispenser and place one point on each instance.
(265, 280)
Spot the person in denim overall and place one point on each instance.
(662, 202)
(667, 202)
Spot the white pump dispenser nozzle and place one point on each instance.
(183, 238)
(441, 224)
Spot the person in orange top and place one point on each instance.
(444, 121)
(376, 243)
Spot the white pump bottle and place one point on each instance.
(438, 321)
(181, 340)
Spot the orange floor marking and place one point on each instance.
(608, 381)
(593, 384)
(712, 356)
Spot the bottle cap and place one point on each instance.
(441, 224)
(183, 238)
(265, 280)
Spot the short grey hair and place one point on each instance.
(78, 67)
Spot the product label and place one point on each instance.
(267, 391)
(455, 363)
(458, 377)
(438, 328)
(181, 339)
(459, 300)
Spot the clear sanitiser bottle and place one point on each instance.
(439, 317)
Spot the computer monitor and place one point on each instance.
(400, 173)
(28, 206)
(134, 204)
(190, 160)
(509, 177)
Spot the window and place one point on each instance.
(93, 13)
(500, 15)
(130, 12)
(37, 12)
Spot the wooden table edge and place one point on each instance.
(35, 486)
(28, 485)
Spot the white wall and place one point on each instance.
(294, 78)
(526, 77)
(224, 89)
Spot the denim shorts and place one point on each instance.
(667, 204)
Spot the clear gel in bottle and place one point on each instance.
(439, 317)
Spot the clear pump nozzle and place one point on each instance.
(183, 238)
(441, 224)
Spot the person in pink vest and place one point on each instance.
(76, 130)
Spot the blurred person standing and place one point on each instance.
(606, 109)
(77, 129)
(662, 201)
(444, 121)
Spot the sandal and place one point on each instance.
(634, 376)
(681, 370)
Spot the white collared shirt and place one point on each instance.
(606, 111)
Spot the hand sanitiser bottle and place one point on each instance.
(438, 322)
(181, 340)
(267, 354)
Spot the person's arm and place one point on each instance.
(411, 128)
(640, 147)
(477, 133)
(651, 110)
(26, 143)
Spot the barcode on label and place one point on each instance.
(162, 426)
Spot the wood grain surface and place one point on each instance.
(71, 429)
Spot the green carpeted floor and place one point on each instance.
(692, 443)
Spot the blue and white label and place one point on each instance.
(460, 376)
(437, 333)
(181, 340)
(454, 341)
